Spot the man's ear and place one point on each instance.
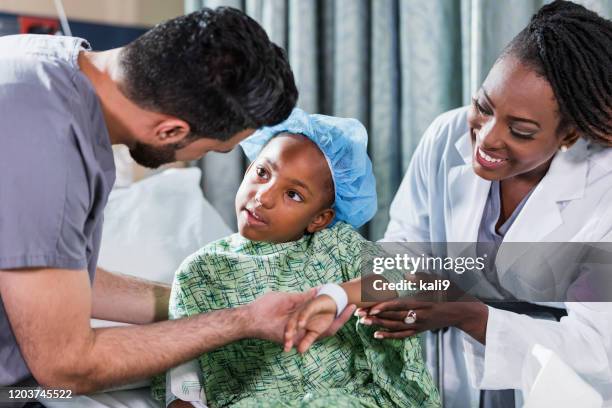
(321, 220)
(171, 131)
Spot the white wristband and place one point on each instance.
(337, 294)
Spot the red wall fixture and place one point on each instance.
(38, 25)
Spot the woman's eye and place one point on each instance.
(479, 107)
(295, 196)
(521, 135)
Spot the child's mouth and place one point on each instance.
(254, 218)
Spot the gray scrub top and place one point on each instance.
(489, 240)
(56, 167)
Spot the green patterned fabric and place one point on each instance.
(349, 369)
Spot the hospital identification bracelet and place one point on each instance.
(338, 295)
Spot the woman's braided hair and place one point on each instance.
(571, 47)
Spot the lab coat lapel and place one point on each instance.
(565, 181)
(467, 197)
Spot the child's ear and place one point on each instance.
(321, 220)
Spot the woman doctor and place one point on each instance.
(528, 161)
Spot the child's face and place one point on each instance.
(286, 191)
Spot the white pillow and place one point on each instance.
(152, 225)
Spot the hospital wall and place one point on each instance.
(105, 24)
(115, 12)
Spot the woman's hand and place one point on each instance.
(471, 317)
(317, 318)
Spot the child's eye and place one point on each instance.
(295, 196)
(261, 172)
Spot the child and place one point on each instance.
(310, 185)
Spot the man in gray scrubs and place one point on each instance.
(196, 83)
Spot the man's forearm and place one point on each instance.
(49, 312)
(128, 299)
(125, 354)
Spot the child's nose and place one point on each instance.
(265, 196)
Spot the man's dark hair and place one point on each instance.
(215, 69)
(571, 47)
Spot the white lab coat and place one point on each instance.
(441, 199)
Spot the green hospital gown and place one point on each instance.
(349, 369)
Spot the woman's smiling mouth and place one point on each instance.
(488, 161)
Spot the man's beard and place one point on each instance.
(153, 157)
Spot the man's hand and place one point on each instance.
(314, 320)
(268, 315)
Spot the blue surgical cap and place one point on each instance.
(344, 143)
